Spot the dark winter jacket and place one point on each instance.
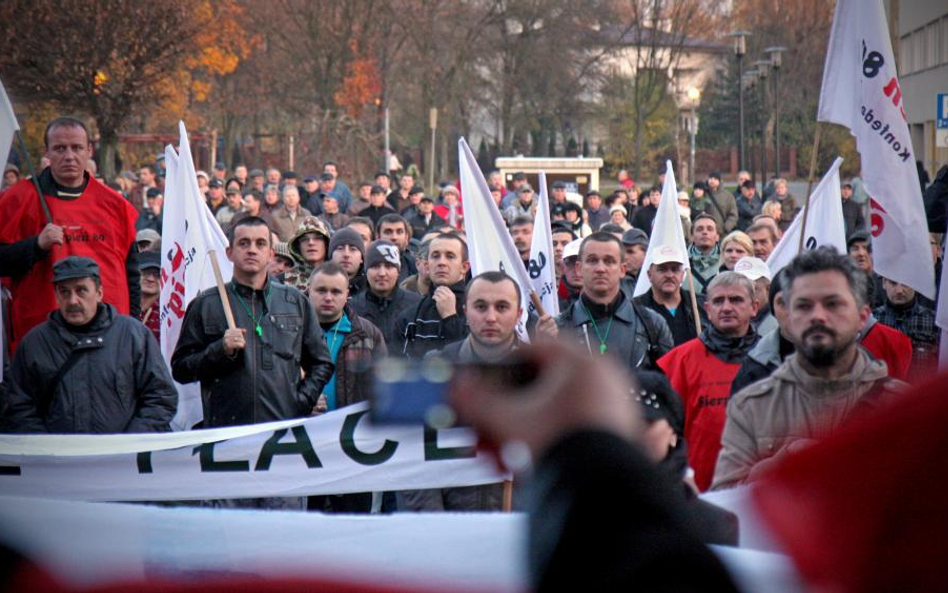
(638, 336)
(262, 382)
(115, 381)
(384, 312)
(360, 349)
(421, 328)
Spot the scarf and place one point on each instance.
(729, 349)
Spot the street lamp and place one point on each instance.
(748, 82)
(775, 63)
(694, 96)
(763, 70)
(740, 48)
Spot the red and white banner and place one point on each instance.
(189, 234)
(861, 91)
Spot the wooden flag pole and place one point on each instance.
(535, 299)
(222, 290)
(508, 496)
(809, 187)
(694, 302)
(29, 164)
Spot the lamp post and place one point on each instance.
(775, 63)
(763, 70)
(694, 96)
(748, 82)
(740, 48)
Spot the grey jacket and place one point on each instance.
(638, 336)
(115, 382)
(262, 382)
(766, 420)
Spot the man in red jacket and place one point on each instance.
(88, 219)
(701, 370)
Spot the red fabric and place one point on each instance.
(704, 383)
(445, 213)
(892, 346)
(99, 224)
(865, 509)
(150, 318)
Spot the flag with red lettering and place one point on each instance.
(189, 235)
(861, 91)
(541, 272)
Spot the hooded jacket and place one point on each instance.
(298, 275)
(116, 380)
(767, 418)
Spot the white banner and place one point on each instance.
(336, 453)
(542, 275)
(189, 235)
(824, 223)
(666, 230)
(8, 127)
(490, 247)
(861, 91)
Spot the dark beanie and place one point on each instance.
(346, 236)
(382, 251)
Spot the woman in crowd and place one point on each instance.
(733, 247)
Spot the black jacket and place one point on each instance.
(421, 329)
(853, 218)
(116, 380)
(684, 329)
(590, 479)
(384, 312)
(638, 336)
(261, 383)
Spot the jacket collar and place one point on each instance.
(865, 370)
(623, 312)
(104, 316)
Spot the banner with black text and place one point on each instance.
(336, 453)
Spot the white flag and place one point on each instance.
(489, 244)
(824, 223)
(189, 233)
(667, 233)
(540, 270)
(8, 127)
(861, 91)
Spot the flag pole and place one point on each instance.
(29, 165)
(809, 187)
(535, 300)
(508, 496)
(222, 290)
(694, 302)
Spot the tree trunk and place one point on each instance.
(108, 148)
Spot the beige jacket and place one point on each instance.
(788, 410)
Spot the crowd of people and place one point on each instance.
(737, 367)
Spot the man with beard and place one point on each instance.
(818, 388)
(701, 370)
(521, 231)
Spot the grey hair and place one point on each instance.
(732, 279)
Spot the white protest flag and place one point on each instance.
(824, 223)
(861, 91)
(8, 128)
(541, 272)
(189, 233)
(666, 230)
(489, 244)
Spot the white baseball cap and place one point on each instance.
(753, 268)
(667, 253)
(572, 248)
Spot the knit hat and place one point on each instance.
(346, 236)
(382, 251)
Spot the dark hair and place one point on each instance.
(700, 185)
(65, 122)
(601, 237)
(655, 189)
(704, 216)
(248, 221)
(610, 227)
(149, 167)
(254, 194)
(522, 220)
(776, 286)
(761, 226)
(333, 163)
(381, 174)
(559, 227)
(748, 184)
(494, 277)
(827, 259)
(451, 235)
(365, 220)
(328, 268)
(389, 219)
